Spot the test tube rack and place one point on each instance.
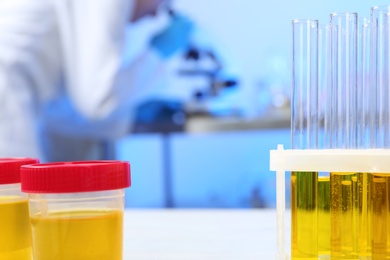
(321, 160)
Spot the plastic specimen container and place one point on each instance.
(15, 231)
(76, 209)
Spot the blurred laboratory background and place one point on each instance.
(201, 136)
(205, 141)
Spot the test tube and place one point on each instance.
(324, 108)
(381, 69)
(324, 226)
(366, 93)
(324, 87)
(380, 183)
(363, 192)
(344, 79)
(304, 234)
(380, 217)
(366, 114)
(343, 211)
(304, 84)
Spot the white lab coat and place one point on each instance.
(62, 71)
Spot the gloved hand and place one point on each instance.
(173, 38)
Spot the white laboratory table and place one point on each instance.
(203, 234)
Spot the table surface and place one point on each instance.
(187, 234)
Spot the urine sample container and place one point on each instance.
(76, 209)
(15, 230)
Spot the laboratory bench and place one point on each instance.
(206, 170)
(207, 124)
(170, 234)
(204, 123)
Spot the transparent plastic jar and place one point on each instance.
(15, 230)
(76, 209)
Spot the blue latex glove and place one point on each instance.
(173, 38)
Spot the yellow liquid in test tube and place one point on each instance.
(15, 231)
(79, 235)
(344, 216)
(365, 221)
(304, 233)
(324, 217)
(380, 216)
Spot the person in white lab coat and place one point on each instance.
(62, 72)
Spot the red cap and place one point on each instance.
(10, 169)
(82, 176)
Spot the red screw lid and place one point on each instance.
(81, 176)
(10, 169)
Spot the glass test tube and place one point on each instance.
(364, 215)
(324, 226)
(304, 84)
(380, 183)
(324, 127)
(381, 69)
(343, 186)
(366, 93)
(380, 216)
(366, 115)
(324, 87)
(344, 79)
(304, 136)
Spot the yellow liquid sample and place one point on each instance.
(324, 217)
(344, 216)
(78, 235)
(15, 230)
(365, 221)
(380, 216)
(304, 236)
